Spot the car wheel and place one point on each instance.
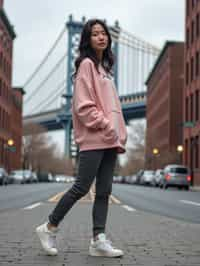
(187, 188)
(4, 183)
(165, 186)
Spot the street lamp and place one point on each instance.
(10, 142)
(10, 145)
(155, 153)
(179, 149)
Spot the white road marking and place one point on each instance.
(32, 206)
(190, 202)
(128, 208)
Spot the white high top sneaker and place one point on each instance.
(47, 239)
(103, 248)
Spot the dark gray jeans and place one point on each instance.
(93, 163)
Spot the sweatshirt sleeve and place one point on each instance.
(84, 99)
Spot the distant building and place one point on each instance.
(10, 99)
(164, 107)
(192, 90)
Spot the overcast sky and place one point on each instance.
(37, 23)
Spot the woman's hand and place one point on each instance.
(110, 133)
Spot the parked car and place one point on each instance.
(138, 176)
(133, 179)
(127, 179)
(117, 179)
(61, 179)
(158, 176)
(45, 177)
(177, 176)
(28, 176)
(147, 177)
(34, 177)
(4, 179)
(18, 177)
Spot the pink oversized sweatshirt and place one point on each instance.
(96, 110)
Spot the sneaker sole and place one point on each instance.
(94, 253)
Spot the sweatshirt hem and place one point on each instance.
(100, 147)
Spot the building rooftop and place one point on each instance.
(165, 47)
(6, 21)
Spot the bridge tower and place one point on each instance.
(74, 30)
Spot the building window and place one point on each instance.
(197, 105)
(197, 152)
(187, 73)
(1, 60)
(188, 38)
(197, 25)
(188, 7)
(197, 64)
(186, 152)
(192, 32)
(192, 69)
(1, 84)
(193, 3)
(186, 109)
(191, 107)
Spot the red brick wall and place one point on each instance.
(1, 3)
(191, 98)
(10, 115)
(176, 94)
(164, 106)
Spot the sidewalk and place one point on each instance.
(195, 188)
(146, 239)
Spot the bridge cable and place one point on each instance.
(45, 58)
(134, 43)
(58, 93)
(49, 96)
(36, 90)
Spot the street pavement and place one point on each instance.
(146, 239)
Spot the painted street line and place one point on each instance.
(128, 208)
(190, 202)
(32, 206)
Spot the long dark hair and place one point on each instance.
(85, 49)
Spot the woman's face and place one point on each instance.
(99, 38)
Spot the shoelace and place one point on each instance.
(108, 244)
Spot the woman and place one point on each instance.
(100, 133)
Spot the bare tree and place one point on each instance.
(41, 154)
(135, 149)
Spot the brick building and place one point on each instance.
(10, 98)
(191, 106)
(164, 107)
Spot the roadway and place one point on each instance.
(181, 205)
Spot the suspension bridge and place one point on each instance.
(49, 89)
